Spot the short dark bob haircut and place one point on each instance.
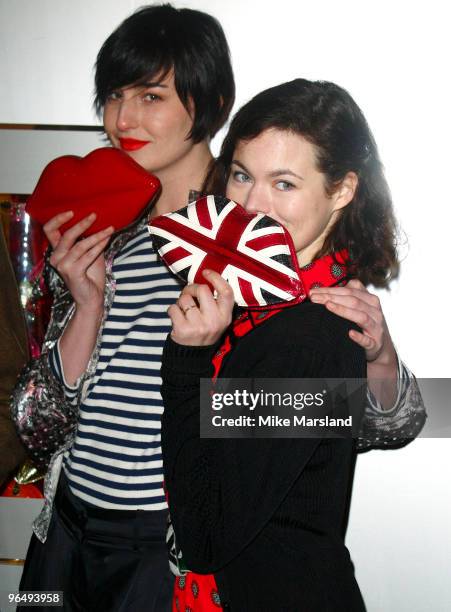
(158, 38)
(325, 115)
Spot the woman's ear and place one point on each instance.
(345, 192)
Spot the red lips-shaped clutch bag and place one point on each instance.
(253, 252)
(107, 181)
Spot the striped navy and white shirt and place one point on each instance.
(116, 460)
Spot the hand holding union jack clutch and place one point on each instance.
(253, 252)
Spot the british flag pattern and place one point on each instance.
(253, 252)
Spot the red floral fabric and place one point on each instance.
(196, 593)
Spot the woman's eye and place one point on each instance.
(151, 97)
(114, 95)
(241, 177)
(284, 185)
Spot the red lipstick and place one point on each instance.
(131, 144)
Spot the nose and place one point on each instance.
(255, 200)
(128, 115)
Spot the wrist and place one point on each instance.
(384, 367)
(182, 357)
(90, 311)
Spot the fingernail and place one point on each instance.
(207, 272)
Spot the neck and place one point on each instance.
(309, 253)
(176, 181)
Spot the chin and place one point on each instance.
(139, 159)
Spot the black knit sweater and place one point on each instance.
(266, 516)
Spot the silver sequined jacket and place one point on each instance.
(39, 401)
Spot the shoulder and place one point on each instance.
(302, 340)
(128, 239)
(308, 320)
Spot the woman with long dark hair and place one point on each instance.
(265, 517)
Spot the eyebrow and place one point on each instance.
(280, 171)
(242, 166)
(274, 173)
(153, 84)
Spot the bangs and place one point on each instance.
(134, 61)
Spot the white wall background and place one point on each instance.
(394, 59)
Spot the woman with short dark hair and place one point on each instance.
(164, 84)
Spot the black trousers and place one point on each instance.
(102, 560)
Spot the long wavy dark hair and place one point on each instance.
(326, 115)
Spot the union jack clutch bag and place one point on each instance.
(253, 252)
